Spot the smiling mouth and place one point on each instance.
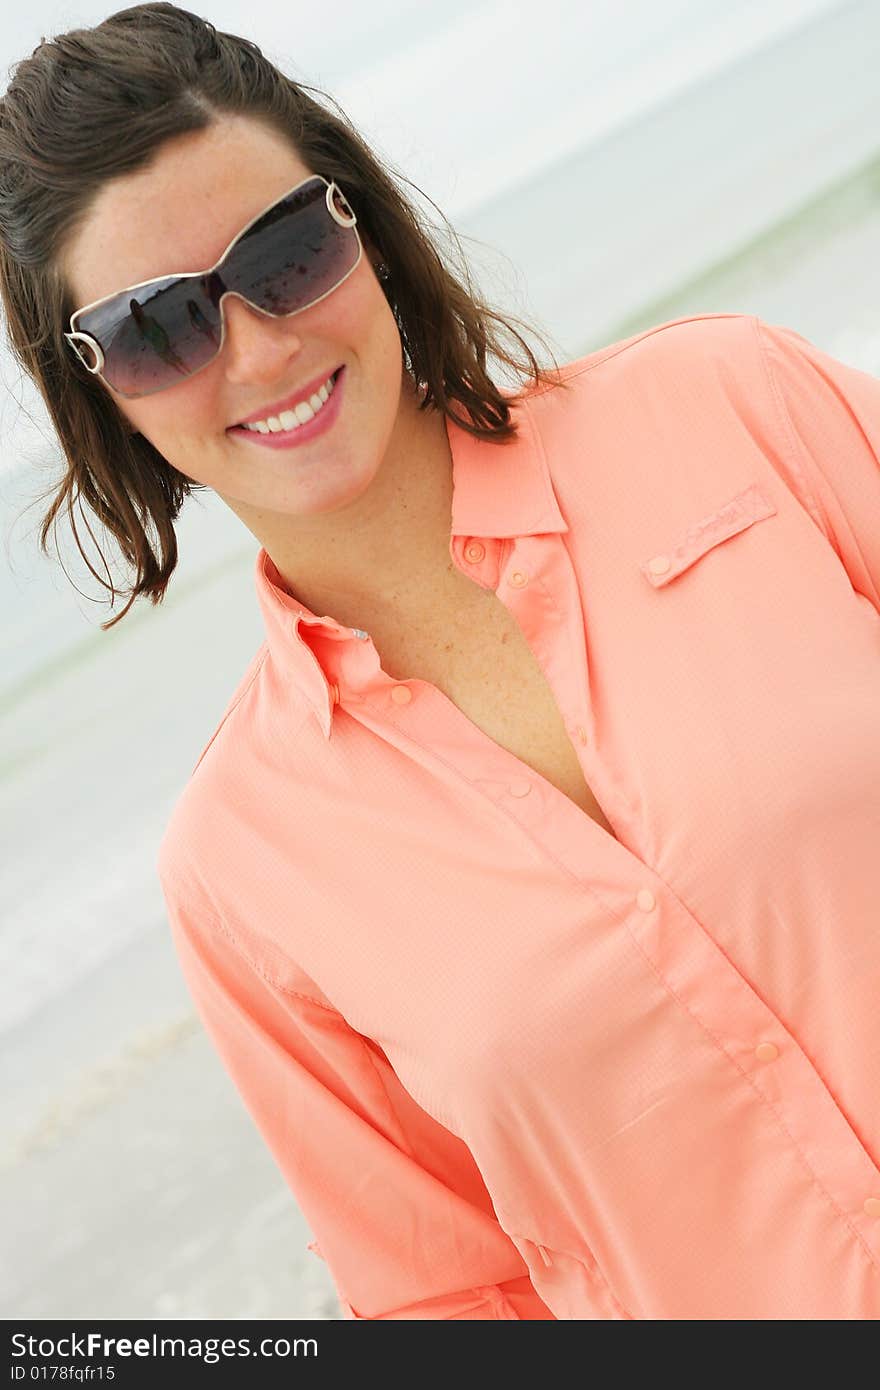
(296, 433)
(292, 416)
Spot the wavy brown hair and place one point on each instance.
(93, 104)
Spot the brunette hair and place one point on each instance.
(94, 104)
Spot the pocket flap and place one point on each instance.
(742, 510)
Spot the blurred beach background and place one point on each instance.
(609, 166)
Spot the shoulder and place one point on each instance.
(700, 372)
(682, 340)
(664, 367)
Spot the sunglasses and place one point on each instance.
(292, 254)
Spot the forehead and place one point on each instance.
(181, 212)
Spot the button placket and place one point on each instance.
(840, 1172)
(518, 579)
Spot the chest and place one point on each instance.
(474, 651)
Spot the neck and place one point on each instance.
(377, 557)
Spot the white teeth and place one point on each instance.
(292, 419)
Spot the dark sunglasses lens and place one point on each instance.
(291, 257)
(158, 335)
(294, 255)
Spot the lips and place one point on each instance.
(292, 440)
(302, 393)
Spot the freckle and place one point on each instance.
(448, 647)
(504, 636)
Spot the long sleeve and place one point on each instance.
(830, 413)
(395, 1201)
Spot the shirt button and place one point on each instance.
(659, 564)
(474, 552)
(872, 1206)
(766, 1052)
(581, 733)
(520, 787)
(359, 632)
(544, 1255)
(401, 694)
(334, 693)
(518, 579)
(645, 899)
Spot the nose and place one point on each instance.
(256, 346)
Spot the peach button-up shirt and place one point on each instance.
(511, 1065)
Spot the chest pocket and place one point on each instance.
(740, 512)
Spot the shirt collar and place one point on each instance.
(499, 491)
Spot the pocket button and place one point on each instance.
(659, 564)
(737, 514)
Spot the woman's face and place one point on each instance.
(180, 214)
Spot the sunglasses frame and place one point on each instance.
(75, 336)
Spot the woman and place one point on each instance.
(528, 885)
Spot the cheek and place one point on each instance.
(387, 336)
(173, 419)
(365, 316)
(129, 412)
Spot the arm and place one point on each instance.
(397, 1205)
(829, 416)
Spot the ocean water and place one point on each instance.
(695, 161)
